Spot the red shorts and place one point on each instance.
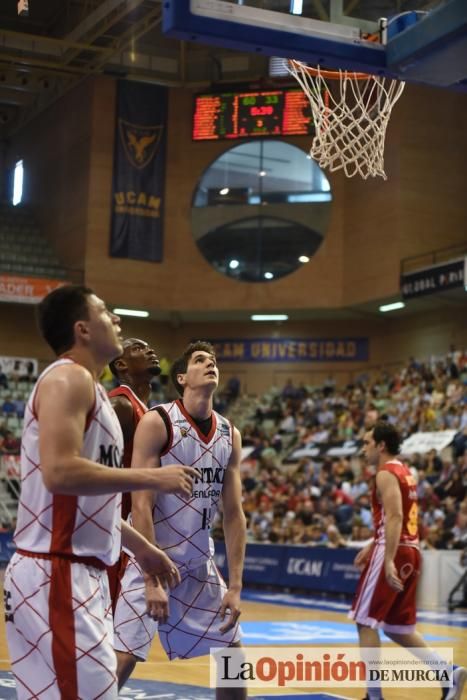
(376, 604)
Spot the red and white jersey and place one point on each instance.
(182, 526)
(81, 526)
(139, 409)
(408, 488)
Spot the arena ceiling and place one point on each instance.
(61, 42)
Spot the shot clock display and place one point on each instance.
(246, 114)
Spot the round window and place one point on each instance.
(261, 210)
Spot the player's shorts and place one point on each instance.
(59, 629)
(115, 574)
(376, 604)
(193, 624)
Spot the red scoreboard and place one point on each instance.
(237, 115)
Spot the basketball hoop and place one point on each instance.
(350, 112)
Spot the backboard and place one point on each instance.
(422, 45)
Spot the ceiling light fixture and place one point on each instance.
(392, 307)
(131, 312)
(269, 317)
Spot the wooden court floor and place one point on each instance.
(196, 671)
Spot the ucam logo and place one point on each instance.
(304, 567)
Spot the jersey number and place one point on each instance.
(412, 520)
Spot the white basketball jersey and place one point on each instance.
(81, 526)
(182, 526)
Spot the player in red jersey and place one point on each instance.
(134, 370)
(386, 593)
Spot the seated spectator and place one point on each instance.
(434, 466)
(452, 487)
(314, 535)
(232, 389)
(10, 444)
(8, 407)
(460, 531)
(433, 539)
(3, 379)
(20, 406)
(334, 538)
(288, 423)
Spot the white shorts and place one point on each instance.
(193, 624)
(59, 629)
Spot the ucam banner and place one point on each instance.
(291, 349)
(139, 172)
(316, 568)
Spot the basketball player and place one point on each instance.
(134, 370)
(386, 593)
(59, 626)
(202, 612)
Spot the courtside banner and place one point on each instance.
(26, 290)
(139, 172)
(291, 349)
(316, 568)
(322, 667)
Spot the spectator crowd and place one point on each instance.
(304, 482)
(300, 489)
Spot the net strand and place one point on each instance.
(350, 129)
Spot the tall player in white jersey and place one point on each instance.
(57, 603)
(201, 611)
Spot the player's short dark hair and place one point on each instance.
(58, 312)
(387, 433)
(180, 365)
(126, 343)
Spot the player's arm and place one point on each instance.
(234, 533)
(363, 555)
(156, 565)
(124, 410)
(63, 401)
(149, 441)
(391, 498)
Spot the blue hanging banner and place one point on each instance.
(139, 172)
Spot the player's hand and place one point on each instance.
(392, 577)
(362, 557)
(157, 601)
(177, 480)
(157, 565)
(230, 608)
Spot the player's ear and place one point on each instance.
(120, 364)
(81, 330)
(181, 378)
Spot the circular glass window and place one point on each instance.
(261, 210)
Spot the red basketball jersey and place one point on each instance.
(139, 409)
(408, 488)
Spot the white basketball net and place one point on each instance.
(351, 123)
